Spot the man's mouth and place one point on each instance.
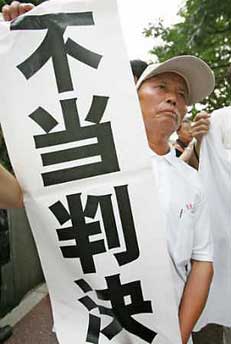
(172, 114)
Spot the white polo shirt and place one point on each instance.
(185, 215)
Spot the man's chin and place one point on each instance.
(173, 118)
(171, 123)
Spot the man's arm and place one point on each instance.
(187, 153)
(10, 192)
(200, 128)
(194, 296)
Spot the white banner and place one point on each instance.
(215, 171)
(75, 135)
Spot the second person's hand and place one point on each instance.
(15, 9)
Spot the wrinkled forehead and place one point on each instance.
(171, 77)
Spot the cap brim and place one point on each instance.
(198, 75)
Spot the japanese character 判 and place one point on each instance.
(81, 231)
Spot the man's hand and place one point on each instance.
(15, 9)
(200, 126)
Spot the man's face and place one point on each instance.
(163, 101)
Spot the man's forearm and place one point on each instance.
(194, 297)
(195, 156)
(10, 191)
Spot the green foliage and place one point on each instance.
(204, 31)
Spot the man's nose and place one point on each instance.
(171, 98)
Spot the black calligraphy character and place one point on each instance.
(82, 231)
(54, 47)
(101, 132)
(120, 311)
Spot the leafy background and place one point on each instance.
(204, 30)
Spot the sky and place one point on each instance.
(136, 14)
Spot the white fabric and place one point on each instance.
(215, 170)
(64, 214)
(185, 215)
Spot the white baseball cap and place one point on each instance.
(197, 74)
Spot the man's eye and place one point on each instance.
(183, 95)
(162, 86)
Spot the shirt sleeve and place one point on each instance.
(203, 242)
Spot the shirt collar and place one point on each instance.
(170, 156)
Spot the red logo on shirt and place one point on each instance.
(189, 206)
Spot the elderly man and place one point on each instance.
(164, 92)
